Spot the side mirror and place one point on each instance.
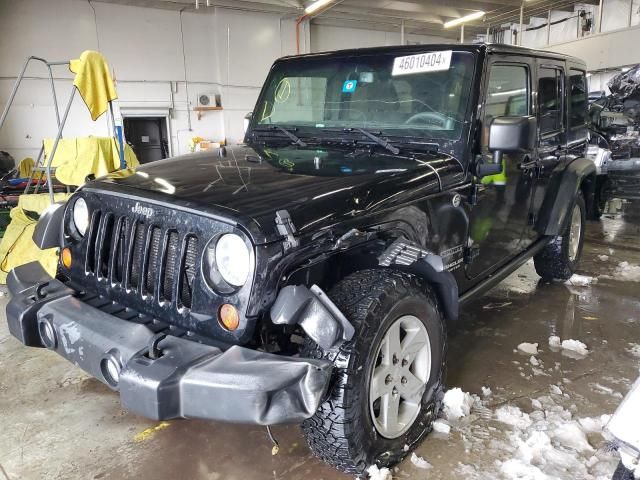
(247, 121)
(512, 135)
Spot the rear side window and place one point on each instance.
(508, 91)
(578, 98)
(550, 99)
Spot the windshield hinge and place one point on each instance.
(285, 227)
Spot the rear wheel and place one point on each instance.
(387, 387)
(559, 259)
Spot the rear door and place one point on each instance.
(499, 217)
(552, 124)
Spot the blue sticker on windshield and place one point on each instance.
(349, 86)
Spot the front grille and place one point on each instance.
(152, 261)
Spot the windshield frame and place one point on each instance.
(411, 135)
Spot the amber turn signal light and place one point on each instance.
(229, 317)
(65, 257)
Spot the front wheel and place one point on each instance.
(559, 259)
(387, 389)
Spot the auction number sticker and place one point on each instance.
(422, 62)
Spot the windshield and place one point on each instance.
(423, 94)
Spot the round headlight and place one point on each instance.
(233, 259)
(81, 216)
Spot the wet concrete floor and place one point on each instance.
(57, 423)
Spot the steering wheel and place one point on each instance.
(434, 119)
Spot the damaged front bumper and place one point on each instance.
(185, 380)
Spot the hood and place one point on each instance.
(318, 187)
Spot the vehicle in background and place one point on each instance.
(615, 127)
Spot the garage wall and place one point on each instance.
(225, 51)
(605, 50)
(328, 37)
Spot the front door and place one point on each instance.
(501, 214)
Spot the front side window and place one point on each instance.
(550, 99)
(507, 95)
(413, 95)
(507, 92)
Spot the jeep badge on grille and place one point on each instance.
(146, 212)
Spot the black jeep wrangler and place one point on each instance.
(310, 274)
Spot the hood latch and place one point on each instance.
(285, 227)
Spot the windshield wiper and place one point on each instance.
(296, 140)
(380, 141)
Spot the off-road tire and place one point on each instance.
(553, 262)
(341, 432)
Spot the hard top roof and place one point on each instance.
(473, 48)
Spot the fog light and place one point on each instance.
(110, 367)
(65, 257)
(47, 334)
(229, 317)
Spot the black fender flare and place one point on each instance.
(443, 283)
(49, 230)
(552, 219)
(407, 256)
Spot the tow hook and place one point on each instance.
(154, 350)
(41, 291)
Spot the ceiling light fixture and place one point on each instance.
(465, 19)
(318, 4)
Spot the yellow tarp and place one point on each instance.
(78, 157)
(25, 167)
(93, 81)
(17, 247)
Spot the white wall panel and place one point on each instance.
(615, 14)
(606, 50)
(327, 38)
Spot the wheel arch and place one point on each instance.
(579, 175)
(332, 268)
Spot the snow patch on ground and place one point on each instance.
(599, 388)
(575, 346)
(548, 443)
(440, 426)
(420, 462)
(528, 348)
(534, 361)
(594, 424)
(376, 473)
(603, 258)
(625, 271)
(581, 280)
(513, 416)
(634, 349)
(457, 404)
(555, 390)
(568, 345)
(486, 391)
(543, 442)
